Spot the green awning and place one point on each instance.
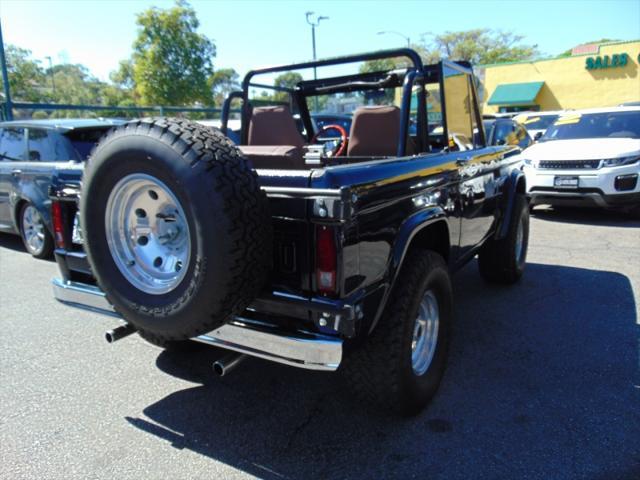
(515, 93)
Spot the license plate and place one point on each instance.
(566, 182)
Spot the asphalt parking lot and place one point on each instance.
(543, 382)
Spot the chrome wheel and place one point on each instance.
(519, 241)
(425, 333)
(33, 230)
(147, 233)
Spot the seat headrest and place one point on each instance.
(374, 131)
(273, 125)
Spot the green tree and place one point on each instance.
(477, 46)
(26, 76)
(123, 76)
(171, 61)
(75, 85)
(382, 65)
(286, 80)
(222, 82)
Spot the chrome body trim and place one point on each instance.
(83, 296)
(300, 349)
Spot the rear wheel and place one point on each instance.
(401, 364)
(503, 260)
(34, 233)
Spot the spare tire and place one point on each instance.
(176, 228)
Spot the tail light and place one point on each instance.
(326, 261)
(58, 224)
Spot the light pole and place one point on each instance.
(393, 32)
(5, 80)
(53, 85)
(314, 23)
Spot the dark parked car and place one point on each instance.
(30, 152)
(506, 131)
(319, 257)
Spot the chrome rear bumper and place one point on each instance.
(299, 349)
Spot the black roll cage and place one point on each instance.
(416, 74)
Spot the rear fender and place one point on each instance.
(409, 236)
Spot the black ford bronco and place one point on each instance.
(317, 249)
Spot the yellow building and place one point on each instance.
(595, 75)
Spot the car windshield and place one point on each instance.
(539, 122)
(595, 125)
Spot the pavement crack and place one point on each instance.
(298, 429)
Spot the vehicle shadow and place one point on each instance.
(543, 381)
(587, 216)
(13, 242)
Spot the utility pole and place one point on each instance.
(53, 85)
(393, 32)
(314, 23)
(5, 80)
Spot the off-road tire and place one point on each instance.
(171, 345)
(497, 259)
(226, 213)
(380, 371)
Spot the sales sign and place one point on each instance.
(606, 61)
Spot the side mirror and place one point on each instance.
(537, 136)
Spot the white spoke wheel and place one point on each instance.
(34, 234)
(147, 233)
(425, 333)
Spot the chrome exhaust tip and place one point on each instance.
(224, 365)
(119, 333)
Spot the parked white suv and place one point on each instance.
(587, 157)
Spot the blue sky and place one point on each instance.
(249, 34)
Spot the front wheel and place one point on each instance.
(400, 366)
(34, 233)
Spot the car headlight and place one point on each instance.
(531, 163)
(618, 162)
